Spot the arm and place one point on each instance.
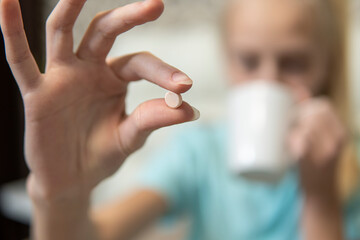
(322, 211)
(322, 217)
(126, 218)
(77, 129)
(317, 140)
(122, 219)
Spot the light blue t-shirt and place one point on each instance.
(191, 173)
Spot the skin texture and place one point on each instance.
(276, 40)
(77, 129)
(78, 132)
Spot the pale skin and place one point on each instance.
(78, 132)
(277, 40)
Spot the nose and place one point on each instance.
(270, 71)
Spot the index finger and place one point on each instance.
(144, 65)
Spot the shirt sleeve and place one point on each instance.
(171, 173)
(352, 216)
(352, 210)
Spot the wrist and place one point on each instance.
(319, 186)
(324, 202)
(60, 214)
(46, 195)
(67, 221)
(322, 218)
(322, 214)
(322, 194)
(51, 199)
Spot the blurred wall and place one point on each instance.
(355, 58)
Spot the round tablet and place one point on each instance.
(173, 100)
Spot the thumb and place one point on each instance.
(148, 117)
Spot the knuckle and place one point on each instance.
(105, 30)
(106, 33)
(54, 24)
(324, 104)
(123, 148)
(18, 58)
(56, 20)
(13, 33)
(49, 21)
(138, 118)
(145, 54)
(143, 127)
(75, 3)
(99, 16)
(319, 110)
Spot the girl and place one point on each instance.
(78, 132)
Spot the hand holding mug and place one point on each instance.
(316, 140)
(270, 131)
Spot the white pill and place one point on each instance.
(173, 100)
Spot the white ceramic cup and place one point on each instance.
(259, 117)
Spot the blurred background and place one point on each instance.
(186, 36)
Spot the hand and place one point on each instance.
(77, 129)
(316, 141)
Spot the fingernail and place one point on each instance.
(181, 78)
(196, 114)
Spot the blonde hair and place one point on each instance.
(332, 17)
(337, 90)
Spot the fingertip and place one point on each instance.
(182, 82)
(3, 6)
(9, 13)
(2, 3)
(8, 5)
(190, 113)
(182, 79)
(154, 8)
(180, 89)
(184, 113)
(155, 114)
(196, 115)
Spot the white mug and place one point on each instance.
(259, 117)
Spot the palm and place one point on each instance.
(84, 109)
(77, 131)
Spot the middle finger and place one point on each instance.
(106, 26)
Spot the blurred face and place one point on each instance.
(275, 40)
